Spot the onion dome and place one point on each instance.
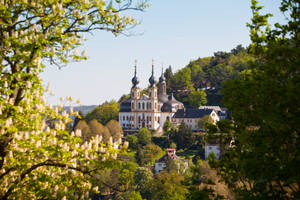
(162, 77)
(152, 79)
(135, 81)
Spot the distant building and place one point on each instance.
(212, 147)
(190, 117)
(161, 164)
(152, 110)
(222, 112)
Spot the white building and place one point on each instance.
(212, 147)
(161, 164)
(191, 116)
(150, 110)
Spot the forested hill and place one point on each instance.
(207, 74)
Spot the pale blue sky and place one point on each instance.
(174, 33)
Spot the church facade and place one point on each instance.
(151, 110)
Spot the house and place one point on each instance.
(222, 112)
(191, 116)
(161, 164)
(212, 147)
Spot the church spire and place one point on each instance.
(135, 80)
(162, 77)
(152, 79)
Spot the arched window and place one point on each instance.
(139, 105)
(143, 106)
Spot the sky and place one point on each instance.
(172, 32)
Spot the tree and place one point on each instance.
(169, 186)
(264, 103)
(183, 137)
(124, 97)
(168, 75)
(167, 127)
(202, 122)
(148, 154)
(105, 112)
(133, 141)
(39, 159)
(181, 83)
(144, 136)
(143, 178)
(100, 130)
(196, 98)
(115, 129)
(85, 130)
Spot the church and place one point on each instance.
(152, 110)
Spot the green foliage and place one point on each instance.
(167, 127)
(105, 112)
(208, 72)
(143, 178)
(196, 98)
(148, 154)
(183, 137)
(169, 186)
(124, 97)
(133, 141)
(39, 158)
(202, 122)
(175, 165)
(264, 103)
(144, 136)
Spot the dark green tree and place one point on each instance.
(168, 75)
(183, 137)
(264, 102)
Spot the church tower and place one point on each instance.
(152, 90)
(162, 84)
(135, 91)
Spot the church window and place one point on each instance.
(139, 105)
(143, 105)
